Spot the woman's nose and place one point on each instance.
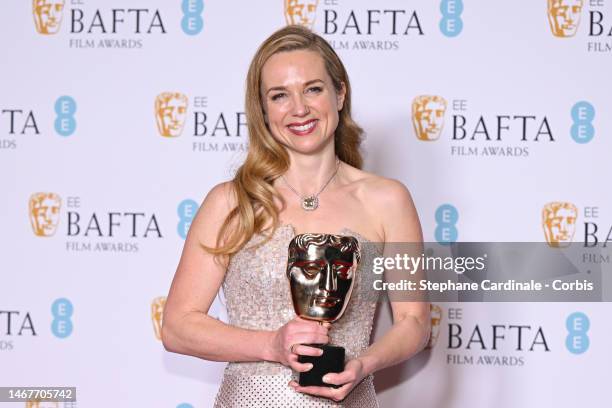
(300, 107)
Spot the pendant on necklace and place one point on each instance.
(310, 203)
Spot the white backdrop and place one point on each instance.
(78, 120)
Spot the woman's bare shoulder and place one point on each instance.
(222, 197)
(388, 204)
(215, 208)
(377, 189)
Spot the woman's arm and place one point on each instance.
(188, 329)
(411, 320)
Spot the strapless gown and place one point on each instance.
(257, 297)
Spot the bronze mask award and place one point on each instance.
(321, 270)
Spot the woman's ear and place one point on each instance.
(340, 94)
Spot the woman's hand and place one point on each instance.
(288, 341)
(351, 376)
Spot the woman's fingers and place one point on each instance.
(308, 338)
(305, 350)
(293, 339)
(339, 378)
(297, 366)
(311, 326)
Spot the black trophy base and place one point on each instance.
(331, 361)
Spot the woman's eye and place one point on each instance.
(315, 89)
(277, 96)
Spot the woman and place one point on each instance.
(302, 174)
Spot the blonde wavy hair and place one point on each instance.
(267, 160)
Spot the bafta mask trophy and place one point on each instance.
(321, 270)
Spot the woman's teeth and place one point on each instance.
(303, 128)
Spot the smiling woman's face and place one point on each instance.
(300, 102)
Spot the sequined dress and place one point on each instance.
(257, 297)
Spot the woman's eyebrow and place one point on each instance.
(282, 88)
(312, 81)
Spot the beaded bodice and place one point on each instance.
(257, 296)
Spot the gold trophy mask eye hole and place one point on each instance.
(311, 270)
(342, 270)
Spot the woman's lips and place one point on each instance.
(303, 129)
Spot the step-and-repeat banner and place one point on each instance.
(117, 117)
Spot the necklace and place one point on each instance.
(311, 202)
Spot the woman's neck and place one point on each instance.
(308, 173)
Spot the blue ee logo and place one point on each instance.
(582, 130)
(184, 405)
(65, 108)
(61, 310)
(192, 22)
(446, 224)
(451, 23)
(577, 341)
(186, 211)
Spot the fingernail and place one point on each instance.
(309, 367)
(325, 378)
(320, 352)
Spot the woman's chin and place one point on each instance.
(312, 146)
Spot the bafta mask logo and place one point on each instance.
(436, 318)
(301, 12)
(559, 223)
(428, 116)
(47, 15)
(42, 404)
(157, 312)
(45, 213)
(564, 17)
(170, 113)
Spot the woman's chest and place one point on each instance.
(334, 213)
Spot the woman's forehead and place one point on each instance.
(289, 66)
